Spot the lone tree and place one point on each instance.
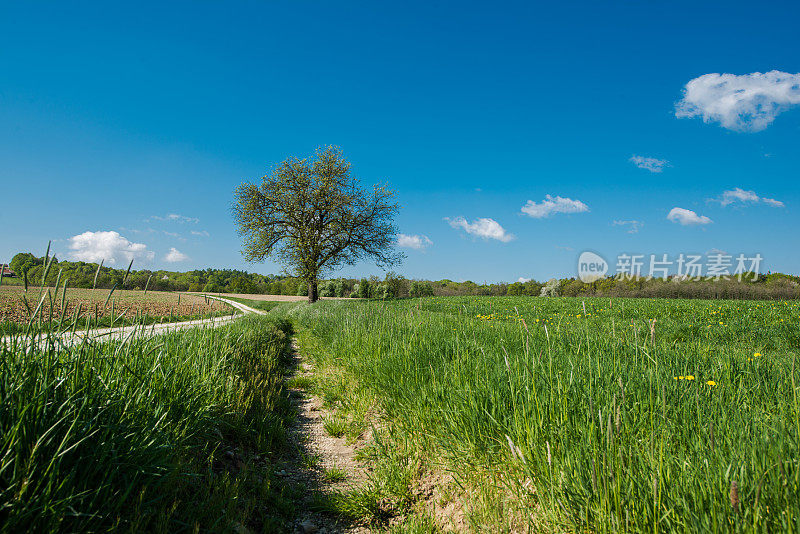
(312, 216)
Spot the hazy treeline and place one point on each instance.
(81, 274)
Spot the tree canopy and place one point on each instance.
(312, 216)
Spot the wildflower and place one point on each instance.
(690, 377)
(757, 354)
(711, 383)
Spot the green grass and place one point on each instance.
(310, 461)
(169, 434)
(335, 426)
(300, 382)
(334, 474)
(567, 418)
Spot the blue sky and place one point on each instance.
(113, 119)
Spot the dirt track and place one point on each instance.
(271, 298)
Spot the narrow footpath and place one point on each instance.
(323, 464)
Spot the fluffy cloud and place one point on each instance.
(174, 255)
(747, 103)
(633, 226)
(740, 195)
(484, 227)
(201, 233)
(523, 280)
(687, 217)
(417, 242)
(174, 217)
(108, 246)
(649, 164)
(552, 205)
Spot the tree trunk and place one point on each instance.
(313, 296)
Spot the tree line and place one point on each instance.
(81, 274)
(392, 285)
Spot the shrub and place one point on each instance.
(364, 289)
(327, 289)
(550, 289)
(383, 292)
(421, 289)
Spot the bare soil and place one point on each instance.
(96, 303)
(312, 452)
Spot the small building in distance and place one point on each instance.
(6, 270)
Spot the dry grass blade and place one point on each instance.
(96, 274)
(127, 273)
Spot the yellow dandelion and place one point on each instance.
(690, 377)
(711, 383)
(757, 354)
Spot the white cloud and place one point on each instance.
(483, 227)
(738, 194)
(772, 202)
(552, 205)
(649, 164)
(201, 233)
(634, 226)
(108, 246)
(174, 217)
(417, 242)
(174, 255)
(747, 103)
(687, 217)
(523, 280)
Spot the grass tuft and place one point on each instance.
(335, 426)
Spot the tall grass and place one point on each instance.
(596, 415)
(153, 434)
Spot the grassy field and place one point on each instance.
(176, 433)
(563, 414)
(100, 306)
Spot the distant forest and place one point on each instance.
(82, 275)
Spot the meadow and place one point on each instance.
(567, 414)
(174, 433)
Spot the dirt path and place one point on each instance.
(270, 298)
(323, 464)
